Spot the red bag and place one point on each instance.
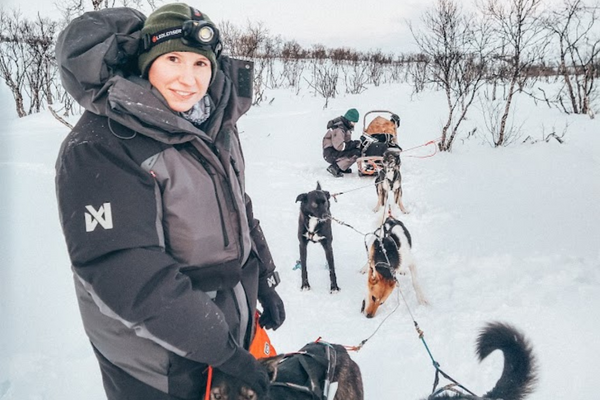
(261, 346)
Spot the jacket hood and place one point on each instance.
(97, 58)
(339, 122)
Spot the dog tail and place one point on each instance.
(519, 374)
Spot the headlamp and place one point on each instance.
(202, 33)
(193, 33)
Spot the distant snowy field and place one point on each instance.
(509, 234)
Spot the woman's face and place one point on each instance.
(181, 77)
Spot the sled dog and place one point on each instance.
(389, 254)
(314, 225)
(319, 370)
(389, 179)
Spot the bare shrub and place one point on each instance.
(573, 29)
(27, 63)
(457, 46)
(356, 77)
(518, 27)
(324, 81)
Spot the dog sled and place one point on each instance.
(380, 134)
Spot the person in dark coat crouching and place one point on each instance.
(339, 150)
(168, 260)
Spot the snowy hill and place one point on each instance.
(509, 234)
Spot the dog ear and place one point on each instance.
(271, 364)
(318, 185)
(373, 275)
(326, 194)
(301, 197)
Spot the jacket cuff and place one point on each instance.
(268, 283)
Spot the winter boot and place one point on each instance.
(347, 171)
(334, 170)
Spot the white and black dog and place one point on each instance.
(314, 225)
(390, 254)
(389, 179)
(519, 374)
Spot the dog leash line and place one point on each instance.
(436, 365)
(334, 195)
(435, 150)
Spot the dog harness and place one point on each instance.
(312, 232)
(314, 366)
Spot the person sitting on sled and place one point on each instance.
(339, 149)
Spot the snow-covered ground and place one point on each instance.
(509, 234)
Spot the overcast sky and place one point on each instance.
(332, 23)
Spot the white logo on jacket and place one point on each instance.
(102, 216)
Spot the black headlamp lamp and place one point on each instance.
(198, 33)
(204, 33)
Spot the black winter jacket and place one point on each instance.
(166, 254)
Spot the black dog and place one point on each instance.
(389, 179)
(314, 225)
(519, 374)
(306, 374)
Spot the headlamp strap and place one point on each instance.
(171, 33)
(162, 36)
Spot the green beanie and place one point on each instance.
(352, 115)
(171, 16)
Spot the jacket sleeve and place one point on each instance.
(261, 248)
(111, 222)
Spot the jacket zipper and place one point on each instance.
(217, 152)
(196, 154)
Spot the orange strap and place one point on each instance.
(208, 383)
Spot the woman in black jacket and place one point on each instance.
(168, 260)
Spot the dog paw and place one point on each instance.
(305, 287)
(334, 289)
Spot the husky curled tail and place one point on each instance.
(519, 374)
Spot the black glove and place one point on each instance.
(243, 366)
(273, 313)
(352, 144)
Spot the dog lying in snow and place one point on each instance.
(314, 225)
(389, 179)
(519, 374)
(389, 254)
(306, 374)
